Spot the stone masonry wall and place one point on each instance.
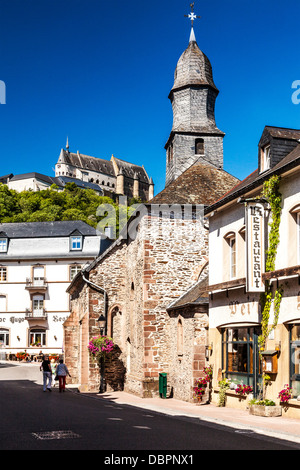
(141, 277)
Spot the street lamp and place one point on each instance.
(102, 323)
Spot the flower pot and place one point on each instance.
(267, 411)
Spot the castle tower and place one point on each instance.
(194, 136)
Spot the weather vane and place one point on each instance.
(192, 15)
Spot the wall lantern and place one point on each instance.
(102, 323)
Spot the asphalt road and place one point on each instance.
(35, 420)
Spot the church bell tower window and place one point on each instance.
(199, 147)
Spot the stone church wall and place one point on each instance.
(142, 277)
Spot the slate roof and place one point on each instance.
(46, 229)
(196, 295)
(47, 179)
(131, 170)
(60, 181)
(79, 183)
(256, 179)
(87, 162)
(199, 184)
(103, 166)
(193, 68)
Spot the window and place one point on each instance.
(4, 338)
(38, 305)
(3, 303)
(232, 244)
(295, 359)
(298, 236)
(3, 273)
(231, 241)
(3, 245)
(180, 337)
(294, 240)
(74, 270)
(170, 153)
(240, 356)
(76, 243)
(38, 275)
(265, 161)
(199, 147)
(37, 337)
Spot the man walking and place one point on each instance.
(47, 374)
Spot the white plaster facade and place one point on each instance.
(235, 311)
(35, 271)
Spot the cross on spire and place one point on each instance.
(192, 15)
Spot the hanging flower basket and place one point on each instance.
(100, 347)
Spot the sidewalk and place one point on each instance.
(241, 420)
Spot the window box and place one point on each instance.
(266, 411)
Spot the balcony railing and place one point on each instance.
(36, 313)
(36, 283)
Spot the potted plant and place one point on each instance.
(21, 356)
(285, 394)
(201, 385)
(264, 407)
(224, 385)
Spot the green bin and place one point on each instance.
(163, 385)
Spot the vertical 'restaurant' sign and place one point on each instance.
(255, 232)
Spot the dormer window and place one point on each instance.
(76, 242)
(3, 245)
(265, 161)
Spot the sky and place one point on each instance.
(100, 73)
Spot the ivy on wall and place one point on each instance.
(272, 194)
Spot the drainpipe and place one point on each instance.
(102, 367)
(103, 291)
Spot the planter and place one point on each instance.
(267, 411)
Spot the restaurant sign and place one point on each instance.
(255, 240)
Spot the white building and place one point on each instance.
(38, 182)
(239, 275)
(37, 262)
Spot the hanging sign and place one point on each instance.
(255, 233)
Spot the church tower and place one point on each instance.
(194, 136)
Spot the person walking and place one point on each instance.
(53, 371)
(47, 374)
(61, 372)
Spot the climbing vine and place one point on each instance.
(274, 198)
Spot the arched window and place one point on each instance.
(231, 240)
(199, 147)
(179, 337)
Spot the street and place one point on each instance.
(35, 420)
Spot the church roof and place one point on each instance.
(199, 184)
(193, 68)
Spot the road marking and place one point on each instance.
(50, 435)
(141, 427)
(115, 419)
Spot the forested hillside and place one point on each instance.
(72, 203)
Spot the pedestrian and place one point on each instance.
(53, 371)
(47, 373)
(61, 372)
